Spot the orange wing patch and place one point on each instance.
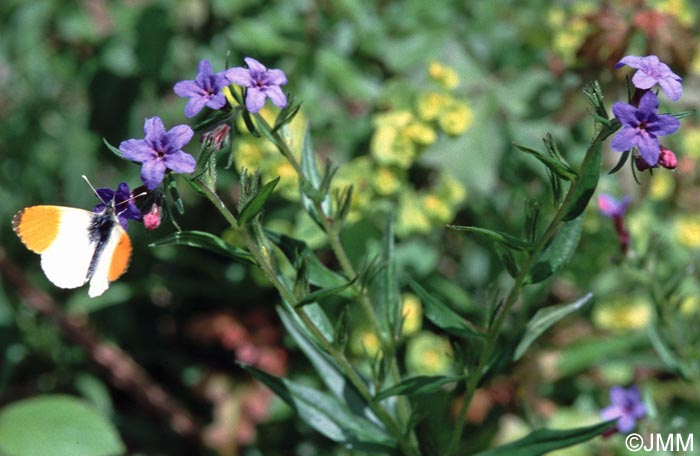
(120, 258)
(37, 226)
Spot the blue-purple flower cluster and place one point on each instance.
(161, 151)
(642, 125)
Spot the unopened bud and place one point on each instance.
(151, 220)
(641, 163)
(667, 158)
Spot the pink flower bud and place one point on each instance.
(667, 158)
(151, 220)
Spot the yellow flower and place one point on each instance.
(357, 173)
(436, 208)
(430, 104)
(688, 231)
(429, 354)
(690, 305)
(456, 119)
(390, 147)
(411, 218)
(661, 186)
(450, 189)
(443, 75)
(412, 314)
(365, 343)
(288, 186)
(420, 133)
(622, 314)
(385, 181)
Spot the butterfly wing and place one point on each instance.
(112, 262)
(60, 235)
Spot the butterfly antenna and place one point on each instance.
(93, 188)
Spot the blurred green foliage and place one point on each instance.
(73, 73)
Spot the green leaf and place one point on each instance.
(56, 425)
(207, 241)
(113, 149)
(543, 320)
(311, 183)
(502, 238)
(319, 274)
(324, 293)
(584, 187)
(171, 189)
(326, 367)
(559, 251)
(257, 203)
(542, 441)
(421, 384)
(326, 414)
(388, 285)
(442, 316)
(558, 167)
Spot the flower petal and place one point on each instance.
(649, 148)
(180, 162)
(137, 150)
(276, 77)
(277, 96)
(643, 80)
(254, 65)
(240, 76)
(625, 139)
(672, 87)
(631, 61)
(625, 113)
(611, 412)
(153, 131)
(187, 89)
(255, 99)
(177, 137)
(217, 101)
(204, 73)
(665, 124)
(649, 103)
(195, 105)
(152, 173)
(626, 423)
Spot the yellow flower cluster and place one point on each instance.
(429, 354)
(619, 314)
(382, 176)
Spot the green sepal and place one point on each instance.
(256, 204)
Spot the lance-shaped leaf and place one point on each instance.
(327, 368)
(326, 414)
(324, 293)
(311, 181)
(421, 384)
(543, 320)
(542, 441)
(256, 204)
(173, 193)
(442, 316)
(584, 187)
(207, 241)
(559, 251)
(113, 149)
(558, 167)
(496, 236)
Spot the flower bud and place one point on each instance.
(667, 158)
(641, 163)
(151, 220)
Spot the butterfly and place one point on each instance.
(79, 246)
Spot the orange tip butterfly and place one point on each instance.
(76, 246)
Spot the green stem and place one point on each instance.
(268, 269)
(473, 380)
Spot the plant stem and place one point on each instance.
(286, 294)
(473, 380)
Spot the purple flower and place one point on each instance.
(261, 83)
(121, 200)
(159, 151)
(627, 406)
(612, 208)
(651, 71)
(205, 90)
(641, 127)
